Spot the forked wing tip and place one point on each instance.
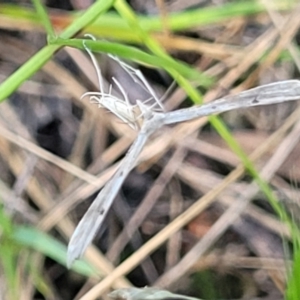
(76, 248)
(81, 238)
(73, 254)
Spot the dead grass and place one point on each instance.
(183, 164)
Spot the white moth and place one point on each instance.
(130, 114)
(152, 120)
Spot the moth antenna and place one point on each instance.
(110, 89)
(124, 94)
(149, 89)
(138, 77)
(168, 91)
(91, 94)
(90, 36)
(95, 99)
(146, 101)
(129, 111)
(94, 61)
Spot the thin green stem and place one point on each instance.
(41, 11)
(123, 8)
(41, 57)
(135, 54)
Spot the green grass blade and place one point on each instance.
(123, 8)
(50, 247)
(112, 26)
(8, 255)
(293, 282)
(134, 54)
(41, 57)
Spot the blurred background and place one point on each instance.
(57, 151)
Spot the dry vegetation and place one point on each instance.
(58, 151)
